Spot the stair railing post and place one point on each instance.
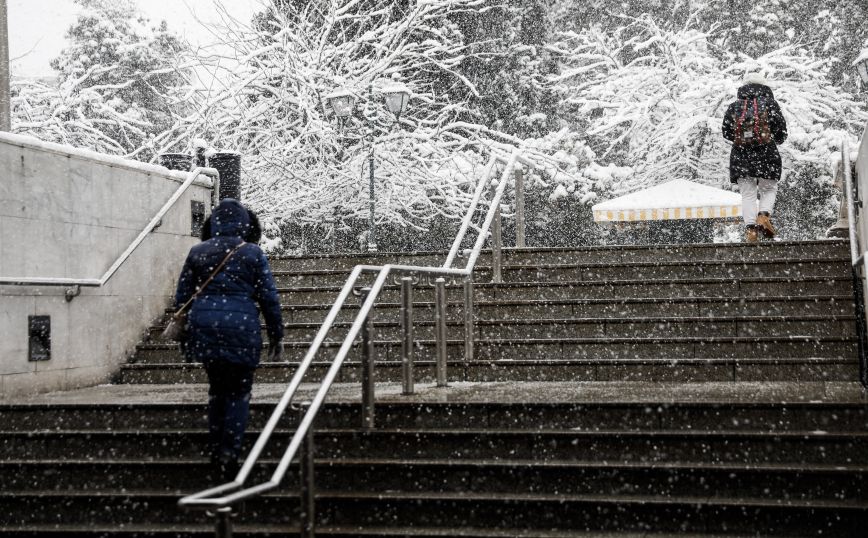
(407, 335)
(468, 319)
(519, 208)
(440, 329)
(367, 367)
(224, 522)
(496, 244)
(308, 488)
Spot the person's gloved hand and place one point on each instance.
(274, 349)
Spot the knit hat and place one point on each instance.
(755, 77)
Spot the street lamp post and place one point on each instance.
(342, 102)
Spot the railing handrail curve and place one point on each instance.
(206, 498)
(858, 261)
(125, 255)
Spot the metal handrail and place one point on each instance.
(209, 499)
(110, 272)
(857, 260)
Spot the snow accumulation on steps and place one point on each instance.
(676, 199)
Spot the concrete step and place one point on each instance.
(592, 328)
(587, 407)
(596, 271)
(716, 481)
(618, 254)
(334, 531)
(517, 347)
(529, 511)
(623, 308)
(699, 370)
(664, 288)
(804, 448)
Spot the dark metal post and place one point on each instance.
(468, 319)
(519, 208)
(367, 368)
(229, 166)
(308, 488)
(224, 522)
(496, 244)
(861, 328)
(201, 159)
(440, 328)
(407, 335)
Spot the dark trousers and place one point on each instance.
(228, 407)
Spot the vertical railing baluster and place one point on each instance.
(224, 522)
(440, 329)
(496, 247)
(367, 367)
(308, 488)
(519, 208)
(407, 335)
(468, 319)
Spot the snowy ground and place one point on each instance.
(531, 392)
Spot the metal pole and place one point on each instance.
(468, 319)
(861, 329)
(229, 166)
(367, 368)
(224, 522)
(440, 328)
(496, 244)
(372, 237)
(519, 208)
(308, 488)
(5, 83)
(407, 332)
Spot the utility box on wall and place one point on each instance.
(39, 329)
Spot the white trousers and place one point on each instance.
(749, 188)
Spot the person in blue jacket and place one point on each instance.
(223, 326)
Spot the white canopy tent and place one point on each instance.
(678, 199)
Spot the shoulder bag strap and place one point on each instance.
(210, 278)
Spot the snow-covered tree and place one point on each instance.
(121, 83)
(302, 164)
(653, 99)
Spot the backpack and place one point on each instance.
(752, 124)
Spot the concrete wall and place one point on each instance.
(70, 213)
(861, 180)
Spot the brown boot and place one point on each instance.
(764, 223)
(751, 234)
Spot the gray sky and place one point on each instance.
(37, 27)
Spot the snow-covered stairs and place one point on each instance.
(617, 392)
(775, 311)
(535, 459)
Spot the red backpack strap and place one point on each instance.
(756, 118)
(739, 125)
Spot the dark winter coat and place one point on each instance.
(254, 234)
(223, 322)
(762, 161)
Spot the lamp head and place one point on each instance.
(397, 97)
(342, 102)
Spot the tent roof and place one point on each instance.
(676, 199)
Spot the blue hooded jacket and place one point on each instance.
(223, 322)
